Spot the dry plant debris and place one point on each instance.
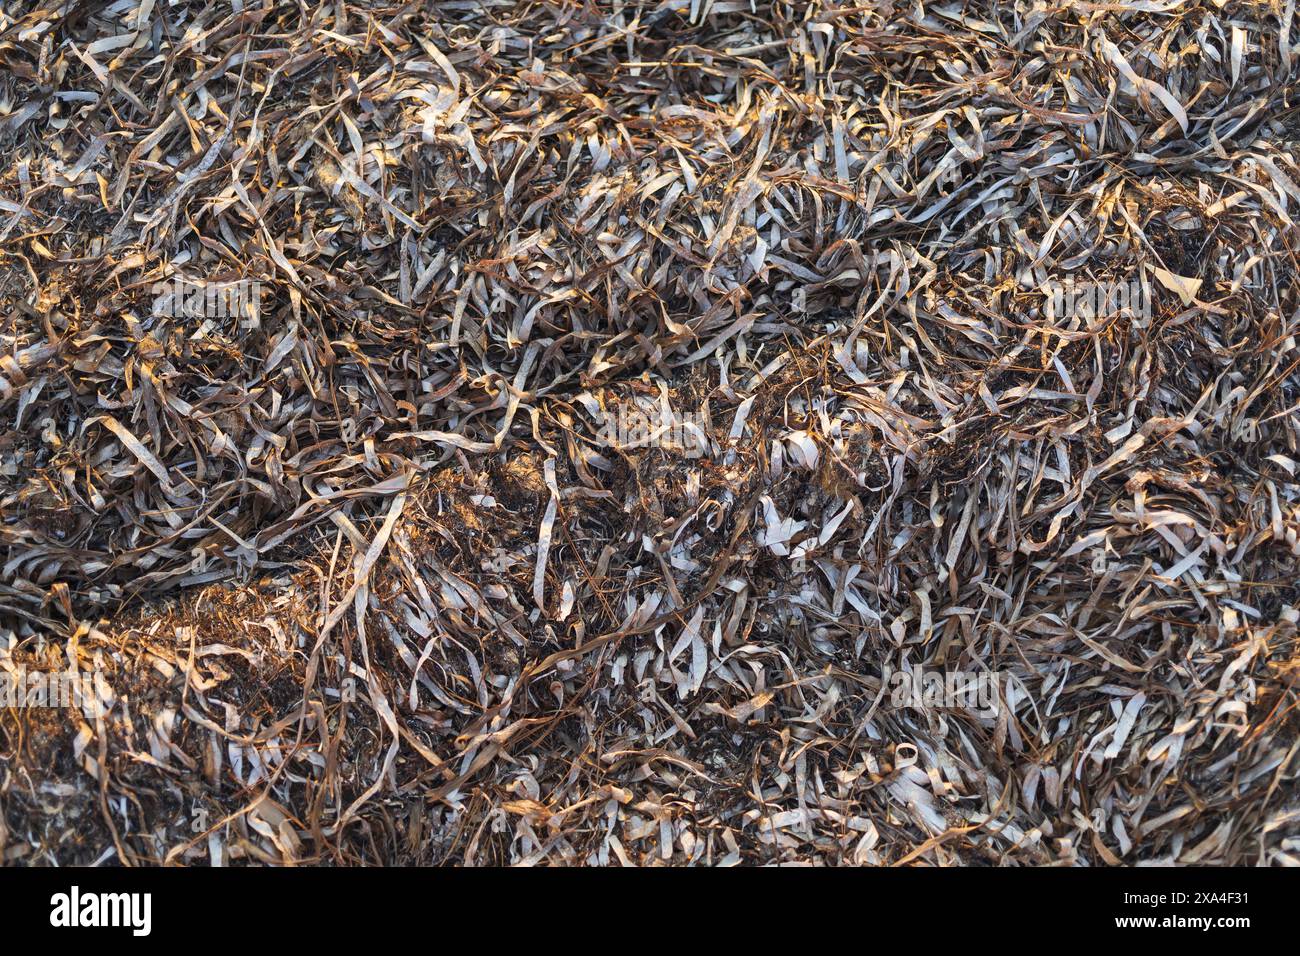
(369, 571)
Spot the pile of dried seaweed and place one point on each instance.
(370, 570)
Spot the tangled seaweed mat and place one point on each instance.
(388, 569)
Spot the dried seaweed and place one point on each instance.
(368, 568)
